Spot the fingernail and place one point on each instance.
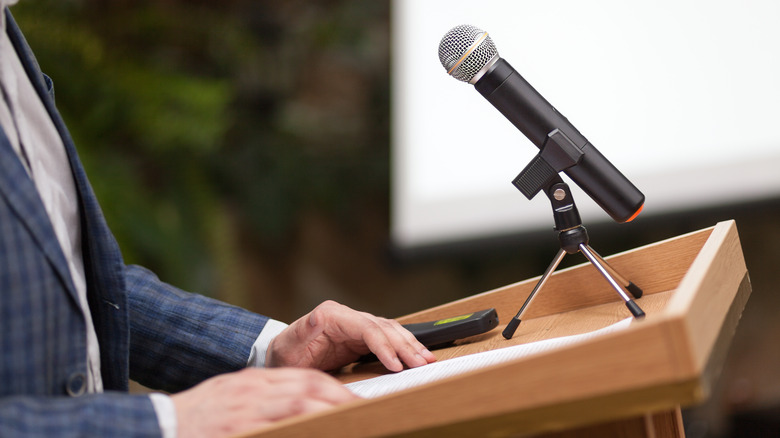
(427, 355)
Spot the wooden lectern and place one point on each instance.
(629, 383)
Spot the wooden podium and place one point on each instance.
(629, 383)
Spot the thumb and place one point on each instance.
(313, 328)
(304, 331)
(289, 347)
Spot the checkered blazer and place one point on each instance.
(149, 331)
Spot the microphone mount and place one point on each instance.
(556, 155)
(541, 174)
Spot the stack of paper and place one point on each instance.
(386, 384)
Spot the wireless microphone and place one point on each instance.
(469, 55)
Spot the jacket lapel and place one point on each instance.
(95, 233)
(22, 196)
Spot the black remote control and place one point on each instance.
(443, 332)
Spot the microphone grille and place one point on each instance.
(465, 50)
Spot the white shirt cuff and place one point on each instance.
(260, 347)
(166, 414)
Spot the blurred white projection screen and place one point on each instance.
(682, 96)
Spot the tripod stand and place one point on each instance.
(573, 238)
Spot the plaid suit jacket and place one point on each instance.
(154, 333)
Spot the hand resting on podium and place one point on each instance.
(330, 336)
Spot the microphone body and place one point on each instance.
(469, 55)
(525, 108)
(519, 102)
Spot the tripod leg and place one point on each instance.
(635, 290)
(632, 306)
(510, 329)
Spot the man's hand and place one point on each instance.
(330, 336)
(333, 335)
(249, 399)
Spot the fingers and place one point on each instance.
(304, 390)
(386, 338)
(393, 344)
(333, 335)
(417, 348)
(246, 400)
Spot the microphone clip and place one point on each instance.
(557, 154)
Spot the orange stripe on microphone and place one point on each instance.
(468, 52)
(636, 214)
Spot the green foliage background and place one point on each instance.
(210, 127)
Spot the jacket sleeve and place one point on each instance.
(108, 414)
(178, 339)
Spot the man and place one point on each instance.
(76, 323)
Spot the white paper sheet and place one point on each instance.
(389, 383)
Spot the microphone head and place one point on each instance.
(466, 52)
